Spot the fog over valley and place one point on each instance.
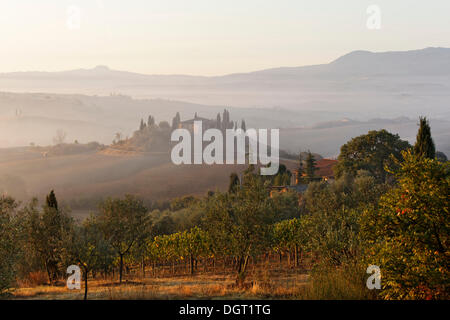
(316, 108)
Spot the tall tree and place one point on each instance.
(218, 121)
(142, 125)
(243, 126)
(310, 166)
(408, 234)
(51, 200)
(424, 146)
(226, 122)
(44, 232)
(151, 120)
(176, 121)
(300, 169)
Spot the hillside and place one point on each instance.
(85, 178)
(82, 179)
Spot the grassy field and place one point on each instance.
(265, 280)
(262, 285)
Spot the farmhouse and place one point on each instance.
(189, 124)
(324, 172)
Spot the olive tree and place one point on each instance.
(122, 222)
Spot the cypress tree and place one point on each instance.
(51, 200)
(243, 127)
(176, 121)
(310, 166)
(234, 183)
(300, 169)
(424, 146)
(218, 121)
(151, 121)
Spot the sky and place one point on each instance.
(209, 37)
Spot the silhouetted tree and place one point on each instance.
(424, 146)
(142, 125)
(310, 167)
(151, 120)
(234, 183)
(243, 126)
(226, 123)
(51, 200)
(300, 168)
(176, 121)
(218, 121)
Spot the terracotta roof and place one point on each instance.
(324, 166)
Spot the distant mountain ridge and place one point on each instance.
(428, 60)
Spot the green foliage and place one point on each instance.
(8, 244)
(333, 215)
(163, 222)
(239, 224)
(182, 203)
(370, 152)
(408, 237)
(123, 222)
(41, 236)
(346, 192)
(310, 167)
(282, 178)
(86, 246)
(334, 235)
(424, 146)
(286, 205)
(290, 234)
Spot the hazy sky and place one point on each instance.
(208, 37)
